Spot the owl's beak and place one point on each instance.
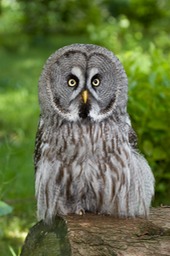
(85, 96)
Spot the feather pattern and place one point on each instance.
(92, 169)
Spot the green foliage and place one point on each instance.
(13, 231)
(18, 120)
(59, 16)
(122, 34)
(115, 34)
(12, 251)
(144, 12)
(149, 108)
(4, 209)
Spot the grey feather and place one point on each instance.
(85, 155)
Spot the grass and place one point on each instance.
(19, 113)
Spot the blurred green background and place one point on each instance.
(137, 31)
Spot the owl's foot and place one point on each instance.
(80, 211)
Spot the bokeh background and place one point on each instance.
(137, 31)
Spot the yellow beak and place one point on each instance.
(85, 96)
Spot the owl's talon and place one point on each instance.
(80, 212)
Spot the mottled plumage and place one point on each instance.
(85, 156)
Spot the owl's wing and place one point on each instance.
(127, 128)
(38, 142)
(132, 137)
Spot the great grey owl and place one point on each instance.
(85, 154)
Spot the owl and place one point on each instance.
(86, 158)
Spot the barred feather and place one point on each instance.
(92, 169)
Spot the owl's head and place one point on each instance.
(83, 81)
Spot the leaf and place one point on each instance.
(159, 154)
(5, 208)
(147, 147)
(158, 125)
(12, 251)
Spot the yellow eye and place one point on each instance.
(72, 82)
(95, 82)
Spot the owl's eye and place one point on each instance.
(95, 82)
(72, 82)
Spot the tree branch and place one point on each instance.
(98, 235)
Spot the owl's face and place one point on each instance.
(83, 81)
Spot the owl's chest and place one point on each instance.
(83, 143)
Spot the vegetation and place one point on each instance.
(29, 32)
